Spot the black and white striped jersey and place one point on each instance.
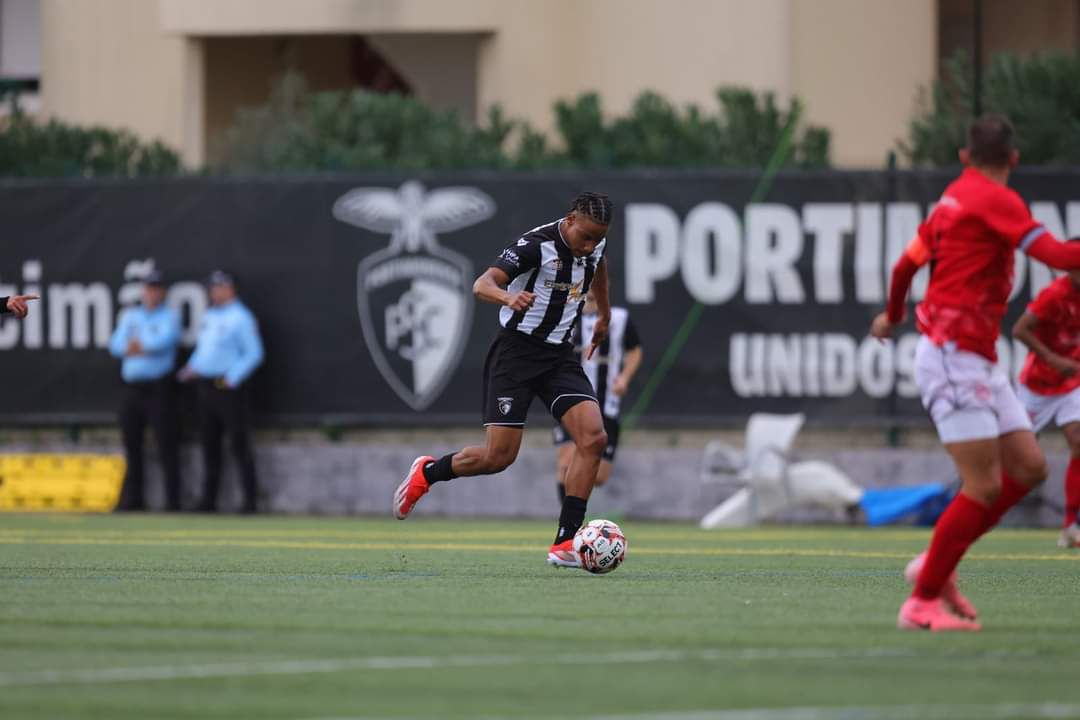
(541, 262)
(607, 362)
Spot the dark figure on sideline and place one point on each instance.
(226, 354)
(146, 339)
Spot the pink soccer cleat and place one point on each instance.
(1070, 537)
(951, 594)
(563, 555)
(412, 488)
(932, 615)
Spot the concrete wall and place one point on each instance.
(650, 481)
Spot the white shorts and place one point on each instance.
(967, 396)
(1062, 409)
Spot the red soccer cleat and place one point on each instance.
(950, 593)
(563, 555)
(412, 488)
(932, 615)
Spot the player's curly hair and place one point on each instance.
(595, 206)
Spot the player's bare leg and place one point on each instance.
(1024, 467)
(603, 473)
(979, 464)
(498, 452)
(565, 455)
(1070, 531)
(585, 426)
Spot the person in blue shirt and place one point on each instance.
(146, 339)
(227, 352)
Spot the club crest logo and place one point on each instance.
(505, 403)
(414, 296)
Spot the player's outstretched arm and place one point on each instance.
(1058, 255)
(1024, 331)
(599, 290)
(631, 364)
(914, 257)
(491, 287)
(17, 305)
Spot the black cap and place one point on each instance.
(154, 277)
(220, 277)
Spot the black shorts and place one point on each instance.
(519, 368)
(611, 427)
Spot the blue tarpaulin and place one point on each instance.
(885, 505)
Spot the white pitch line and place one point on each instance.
(335, 665)
(999, 711)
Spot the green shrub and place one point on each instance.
(56, 149)
(1040, 94)
(358, 130)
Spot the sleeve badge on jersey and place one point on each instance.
(511, 257)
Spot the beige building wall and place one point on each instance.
(685, 50)
(107, 62)
(140, 63)
(858, 66)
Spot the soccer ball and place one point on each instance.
(601, 545)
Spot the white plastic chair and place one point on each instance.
(767, 481)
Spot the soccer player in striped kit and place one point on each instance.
(610, 370)
(541, 282)
(970, 240)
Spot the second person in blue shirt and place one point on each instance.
(227, 352)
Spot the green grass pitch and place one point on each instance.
(309, 618)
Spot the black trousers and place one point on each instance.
(154, 403)
(223, 411)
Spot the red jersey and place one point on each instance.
(970, 238)
(1058, 310)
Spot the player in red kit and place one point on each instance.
(1050, 381)
(969, 240)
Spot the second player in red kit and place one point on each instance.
(1050, 380)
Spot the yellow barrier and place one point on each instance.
(76, 483)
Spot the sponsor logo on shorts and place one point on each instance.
(505, 404)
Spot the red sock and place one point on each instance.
(1012, 492)
(1072, 491)
(958, 527)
